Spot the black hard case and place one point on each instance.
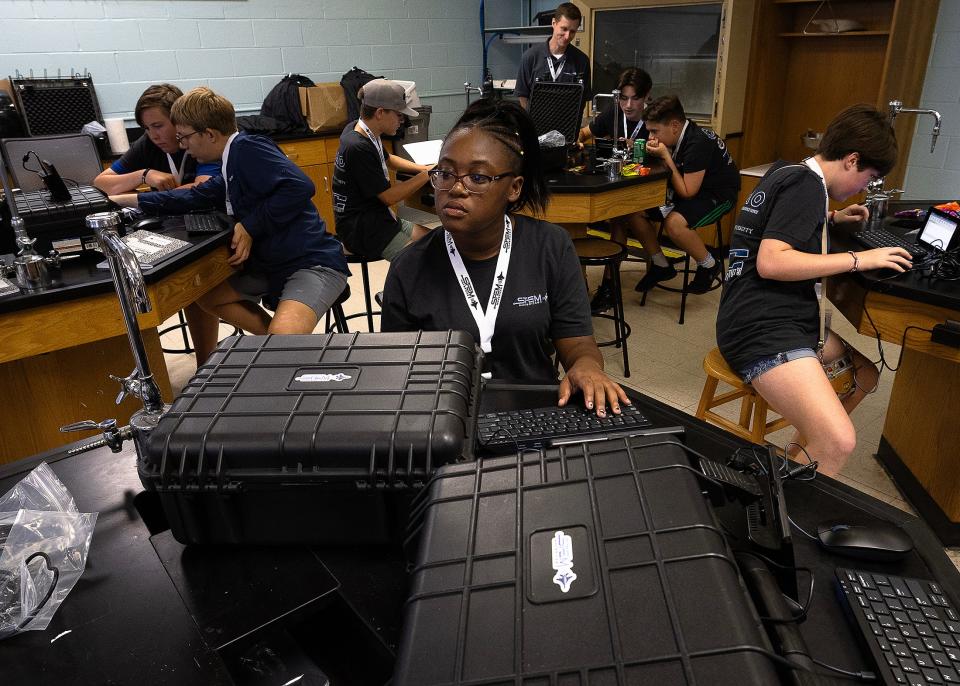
(255, 450)
(657, 600)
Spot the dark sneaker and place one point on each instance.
(655, 274)
(704, 278)
(602, 299)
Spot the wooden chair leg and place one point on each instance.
(709, 388)
(758, 430)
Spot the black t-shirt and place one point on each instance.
(602, 125)
(573, 66)
(364, 223)
(761, 317)
(544, 298)
(143, 154)
(703, 150)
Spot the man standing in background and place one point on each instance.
(555, 60)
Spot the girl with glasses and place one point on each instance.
(512, 281)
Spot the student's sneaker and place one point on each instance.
(704, 278)
(655, 274)
(602, 299)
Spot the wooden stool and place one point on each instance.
(753, 424)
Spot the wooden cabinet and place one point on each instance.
(315, 157)
(799, 80)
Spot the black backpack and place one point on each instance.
(351, 83)
(283, 102)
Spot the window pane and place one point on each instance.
(677, 46)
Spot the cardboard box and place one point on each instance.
(324, 106)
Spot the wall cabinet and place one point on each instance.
(798, 80)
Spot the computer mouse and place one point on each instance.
(879, 540)
(147, 224)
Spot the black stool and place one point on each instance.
(597, 252)
(369, 312)
(336, 320)
(181, 325)
(717, 249)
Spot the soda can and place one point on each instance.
(639, 150)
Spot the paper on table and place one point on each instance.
(424, 152)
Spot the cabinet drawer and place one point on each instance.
(306, 152)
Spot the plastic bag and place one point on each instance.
(552, 139)
(44, 543)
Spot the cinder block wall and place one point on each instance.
(936, 175)
(241, 48)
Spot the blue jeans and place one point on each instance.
(765, 364)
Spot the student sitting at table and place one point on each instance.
(511, 280)
(634, 85)
(702, 187)
(295, 266)
(770, 326)
(362, 193)
(155, 159)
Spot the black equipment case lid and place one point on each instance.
(290, 419)
(589, 564)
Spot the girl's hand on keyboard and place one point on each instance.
(896, 259)
(599, 390)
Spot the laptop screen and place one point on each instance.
(939, 231)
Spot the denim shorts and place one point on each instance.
(765, 364)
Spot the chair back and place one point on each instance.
(74, 155)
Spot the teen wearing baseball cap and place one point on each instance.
(362, 192)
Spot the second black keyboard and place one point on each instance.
(202, 223)
(910, 626)
(881, 238)
(538, 428)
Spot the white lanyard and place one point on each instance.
(486, 321)
(632, 136)
(177, 174)
(226, 177)
(824, 315)
(683, 132)
(673, 155)
(558, 70)
(378, 144)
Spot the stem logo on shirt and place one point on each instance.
(528, 300)
(736, 267)
(754, 202)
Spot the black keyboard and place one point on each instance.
(202, 223)
(547, 426)
(910, 626)
(881, 238)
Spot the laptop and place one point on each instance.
(939, 232)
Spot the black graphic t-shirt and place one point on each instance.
(602, 125)
(703, 150)
(544, 298)
(760, 317)
(364, 223)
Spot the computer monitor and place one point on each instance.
(939, 232)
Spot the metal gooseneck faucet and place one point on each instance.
(877, 196)
(896, 107)
(132, 293)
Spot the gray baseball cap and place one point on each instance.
(389, 95)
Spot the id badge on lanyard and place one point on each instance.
(486, 320)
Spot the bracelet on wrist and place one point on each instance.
(143, 179)
(832, 217)
(856, 261)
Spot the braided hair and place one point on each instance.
(512, 126)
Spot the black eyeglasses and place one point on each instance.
(444, 180)
(182, 138)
